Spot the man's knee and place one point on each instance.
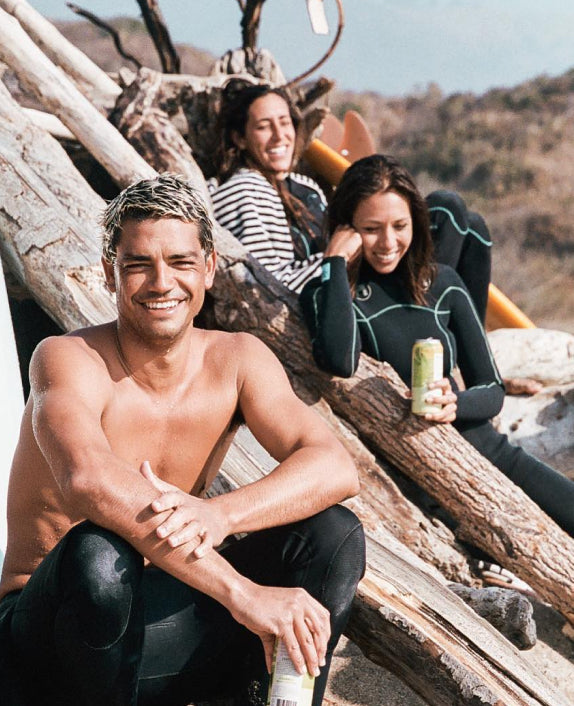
(338, 540)
(101, 574)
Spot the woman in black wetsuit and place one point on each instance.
(380, 290)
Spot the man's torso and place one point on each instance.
(184, 436)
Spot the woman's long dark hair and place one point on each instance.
(233, 117)
(378, 174)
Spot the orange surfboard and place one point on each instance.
(351, 138)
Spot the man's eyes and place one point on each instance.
(177, 264)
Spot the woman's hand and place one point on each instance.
(345, 242)
(444, 397)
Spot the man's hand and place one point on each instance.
(294, 616)
(189, 520)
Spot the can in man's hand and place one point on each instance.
(287, 686)
(427, 364)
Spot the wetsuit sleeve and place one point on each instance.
(484, 392)
(327, 306)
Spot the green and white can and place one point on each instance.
(287, 686)
(427, 366)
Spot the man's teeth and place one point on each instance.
(161, 305)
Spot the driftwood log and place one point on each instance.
(492, 513)
(58, 95)
(88, 77)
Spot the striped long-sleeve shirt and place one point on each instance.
(249, 206)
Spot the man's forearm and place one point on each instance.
(309, 481)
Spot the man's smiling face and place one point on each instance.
(159, 277)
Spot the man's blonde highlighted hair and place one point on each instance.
(166, 196)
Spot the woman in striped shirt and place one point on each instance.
(277, 214)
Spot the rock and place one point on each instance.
(542, 425)
(541, 354)
(508, 611)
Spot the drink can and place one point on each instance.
(287, 687)
(427, 366)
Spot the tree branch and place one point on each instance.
(170, 62)
(329, 51)
(109, 29)
(250, 23)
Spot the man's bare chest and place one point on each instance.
(177, 437)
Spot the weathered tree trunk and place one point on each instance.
(155, 24)
(407, 620)
(90, 79)
(146, 127)
(48, 218)
(492, 512)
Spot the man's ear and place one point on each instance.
(210, 263)
(238, 140)
(108, 268)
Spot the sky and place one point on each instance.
(393, 47)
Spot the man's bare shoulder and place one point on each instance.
(87, 350)
(245, 348)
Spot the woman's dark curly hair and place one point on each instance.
(379, 174)
(234, 114)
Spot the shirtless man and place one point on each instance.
(123, 432)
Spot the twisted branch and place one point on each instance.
(323, 59)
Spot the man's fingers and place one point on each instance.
(268, 647)
(167, 501)
(178, 525)
(205, 544)
(307, 648)
(320, 635)
(303, 657)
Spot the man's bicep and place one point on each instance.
(68, 399)
(278, 419)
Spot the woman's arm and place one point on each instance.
(484, 392)
(327, 306)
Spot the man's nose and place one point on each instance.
(161, 278)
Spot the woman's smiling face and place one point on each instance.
(269, 137)
(385, 225)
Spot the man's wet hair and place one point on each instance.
(165, 196)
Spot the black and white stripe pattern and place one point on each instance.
(249, 206)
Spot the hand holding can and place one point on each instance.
(427, 367)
